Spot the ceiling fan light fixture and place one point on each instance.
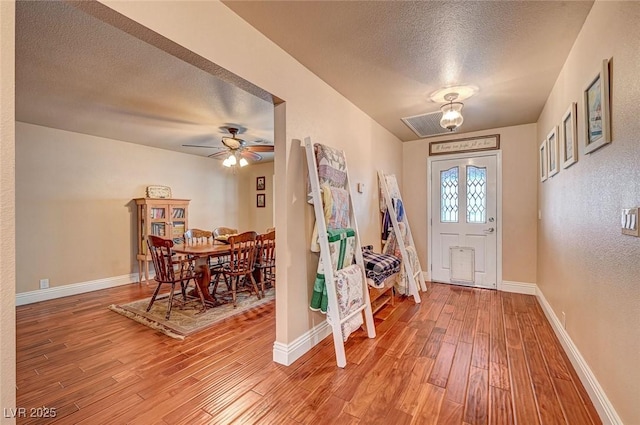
(243, 162)
(451, 113)
(232, 160)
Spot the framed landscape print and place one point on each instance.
(553, 165)
(260, 200)
(568, 141)
(596, 110)
(543, 160)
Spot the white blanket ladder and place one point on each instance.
(390, 191)
(325, 256)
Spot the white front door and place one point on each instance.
(464, 222)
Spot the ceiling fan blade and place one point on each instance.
(220, 155)
(259, 148)
(251, 155)
(202, 146)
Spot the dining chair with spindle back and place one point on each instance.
(241, 264)
(266, 260)
(198, 236)
(170, 270)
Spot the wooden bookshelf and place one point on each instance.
(167, 218)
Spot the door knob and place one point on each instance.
(489, 230)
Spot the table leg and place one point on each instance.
(203, 280)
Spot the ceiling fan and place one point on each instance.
(236, 151)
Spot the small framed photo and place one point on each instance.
(260, 200)
(553, 165)
(568, 141)
(543, 160)
(596, 110)
(260, 183)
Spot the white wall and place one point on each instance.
(7, 208)
(254, 218)
(586, 267)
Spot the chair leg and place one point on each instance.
(173, 288)
(263, 278)
(216, 281)
(253, 282)
(234, 289)
(183, 287)
(153, 298)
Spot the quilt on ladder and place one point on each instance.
(379, 267)
(342, 244)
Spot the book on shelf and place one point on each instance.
(157, 213)
(157, 229)
(178, 229)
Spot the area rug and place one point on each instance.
(188, 319)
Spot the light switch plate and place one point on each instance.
(629, 221)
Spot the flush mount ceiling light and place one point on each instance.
(451, 112)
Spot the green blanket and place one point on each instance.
(342, 243)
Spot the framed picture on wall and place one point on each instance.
(260, 200)
(568, 141)
(596, 110)
(553, 165)
(260, 183)
(543, 160)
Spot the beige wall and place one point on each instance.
(7, 209)
(518, 194)
(312, 109)
(74, 205)
(586, 268)
(252, 217)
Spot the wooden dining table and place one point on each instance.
(201, 252)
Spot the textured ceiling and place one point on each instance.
(387, 57)
(77, 73)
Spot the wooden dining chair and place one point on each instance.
(224, 231)
(266, 260)
(171, 270)
(197, 236)
(241, 264)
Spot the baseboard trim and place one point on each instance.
(519, 287)
(286, 354)
(30, 297)
(601, 402)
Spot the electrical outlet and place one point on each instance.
(564, 320)
(44, 283)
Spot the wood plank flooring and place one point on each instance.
(463, 356)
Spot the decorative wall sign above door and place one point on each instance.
(470, 144)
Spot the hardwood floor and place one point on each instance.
(463, 356)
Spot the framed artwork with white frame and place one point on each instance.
(568, 140)
(553, 165)
(543, 160)
(597, 120)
